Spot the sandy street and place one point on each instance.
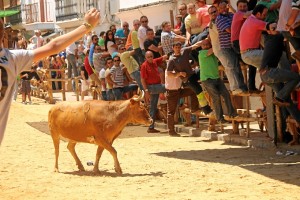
(155, 166)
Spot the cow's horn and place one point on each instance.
(141, 96)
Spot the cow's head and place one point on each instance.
(138, 111)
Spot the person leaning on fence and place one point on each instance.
(12, 62)
(215, 87)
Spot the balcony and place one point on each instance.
(14, 19)
(36, 12)
(73, 9)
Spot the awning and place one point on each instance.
(6, 13)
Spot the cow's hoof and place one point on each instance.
(96, 171)
(118, 170)
(81, 168)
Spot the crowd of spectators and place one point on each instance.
(183, 60)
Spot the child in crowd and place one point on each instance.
(209, 75)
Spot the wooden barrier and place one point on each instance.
(62, 80)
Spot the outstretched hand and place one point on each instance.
(92, 17)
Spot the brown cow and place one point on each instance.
(96, 122)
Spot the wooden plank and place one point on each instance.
(270, 113)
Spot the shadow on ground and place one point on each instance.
(268, 164)
(130, 131)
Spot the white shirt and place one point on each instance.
(284, 14)
(102, 76)
(172, 83)
(71, 49)
(142, 36)
(11, 64)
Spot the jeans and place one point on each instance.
(216, 89)
(118, 92)
(154, 91)
(253, 57)
(251, 69)
(110, 95)
(104, 96)
(136, 75)
(173, 97)
(200, 36)
(233, 69)
(72, 66)
(275, 76)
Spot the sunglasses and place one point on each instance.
(109, 62)
(116, 60)
(144, 21)
(123, 48)
(213, 12)
(182, 9)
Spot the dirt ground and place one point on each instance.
(155, 166)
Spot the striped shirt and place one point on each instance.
(296, 4)
(223, 22)
(117, 76)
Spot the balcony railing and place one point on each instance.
(73, 9)
(14, 19)
(32, 12)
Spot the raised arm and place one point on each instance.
(92, 18)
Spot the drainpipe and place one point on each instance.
(42, 11)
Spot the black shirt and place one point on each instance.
(148, 43)
(85, 72)
(31, 75)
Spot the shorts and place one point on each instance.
(85, 85)
(25, 86)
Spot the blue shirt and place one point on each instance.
(223, 22)
(120, 33)
(91, 61)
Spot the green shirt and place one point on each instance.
(208, 66)
(272, 15)
(101, 42)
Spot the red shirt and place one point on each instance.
(149, 71)
(236, 25)
(251, 33)
(87, 66)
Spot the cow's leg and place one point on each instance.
(71, 147)
(100, 141)
(98, 156)
(56, 147)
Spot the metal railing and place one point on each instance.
(73, 9)
(32, 12)
(14, 19)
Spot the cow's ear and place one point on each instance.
(132, 101)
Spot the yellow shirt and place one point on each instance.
(135, 40)
(192, 22)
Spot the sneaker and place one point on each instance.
(280, 102)
(152, 130)
(174, 134)
(24, 102)
(30, 102)
(237, 91)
